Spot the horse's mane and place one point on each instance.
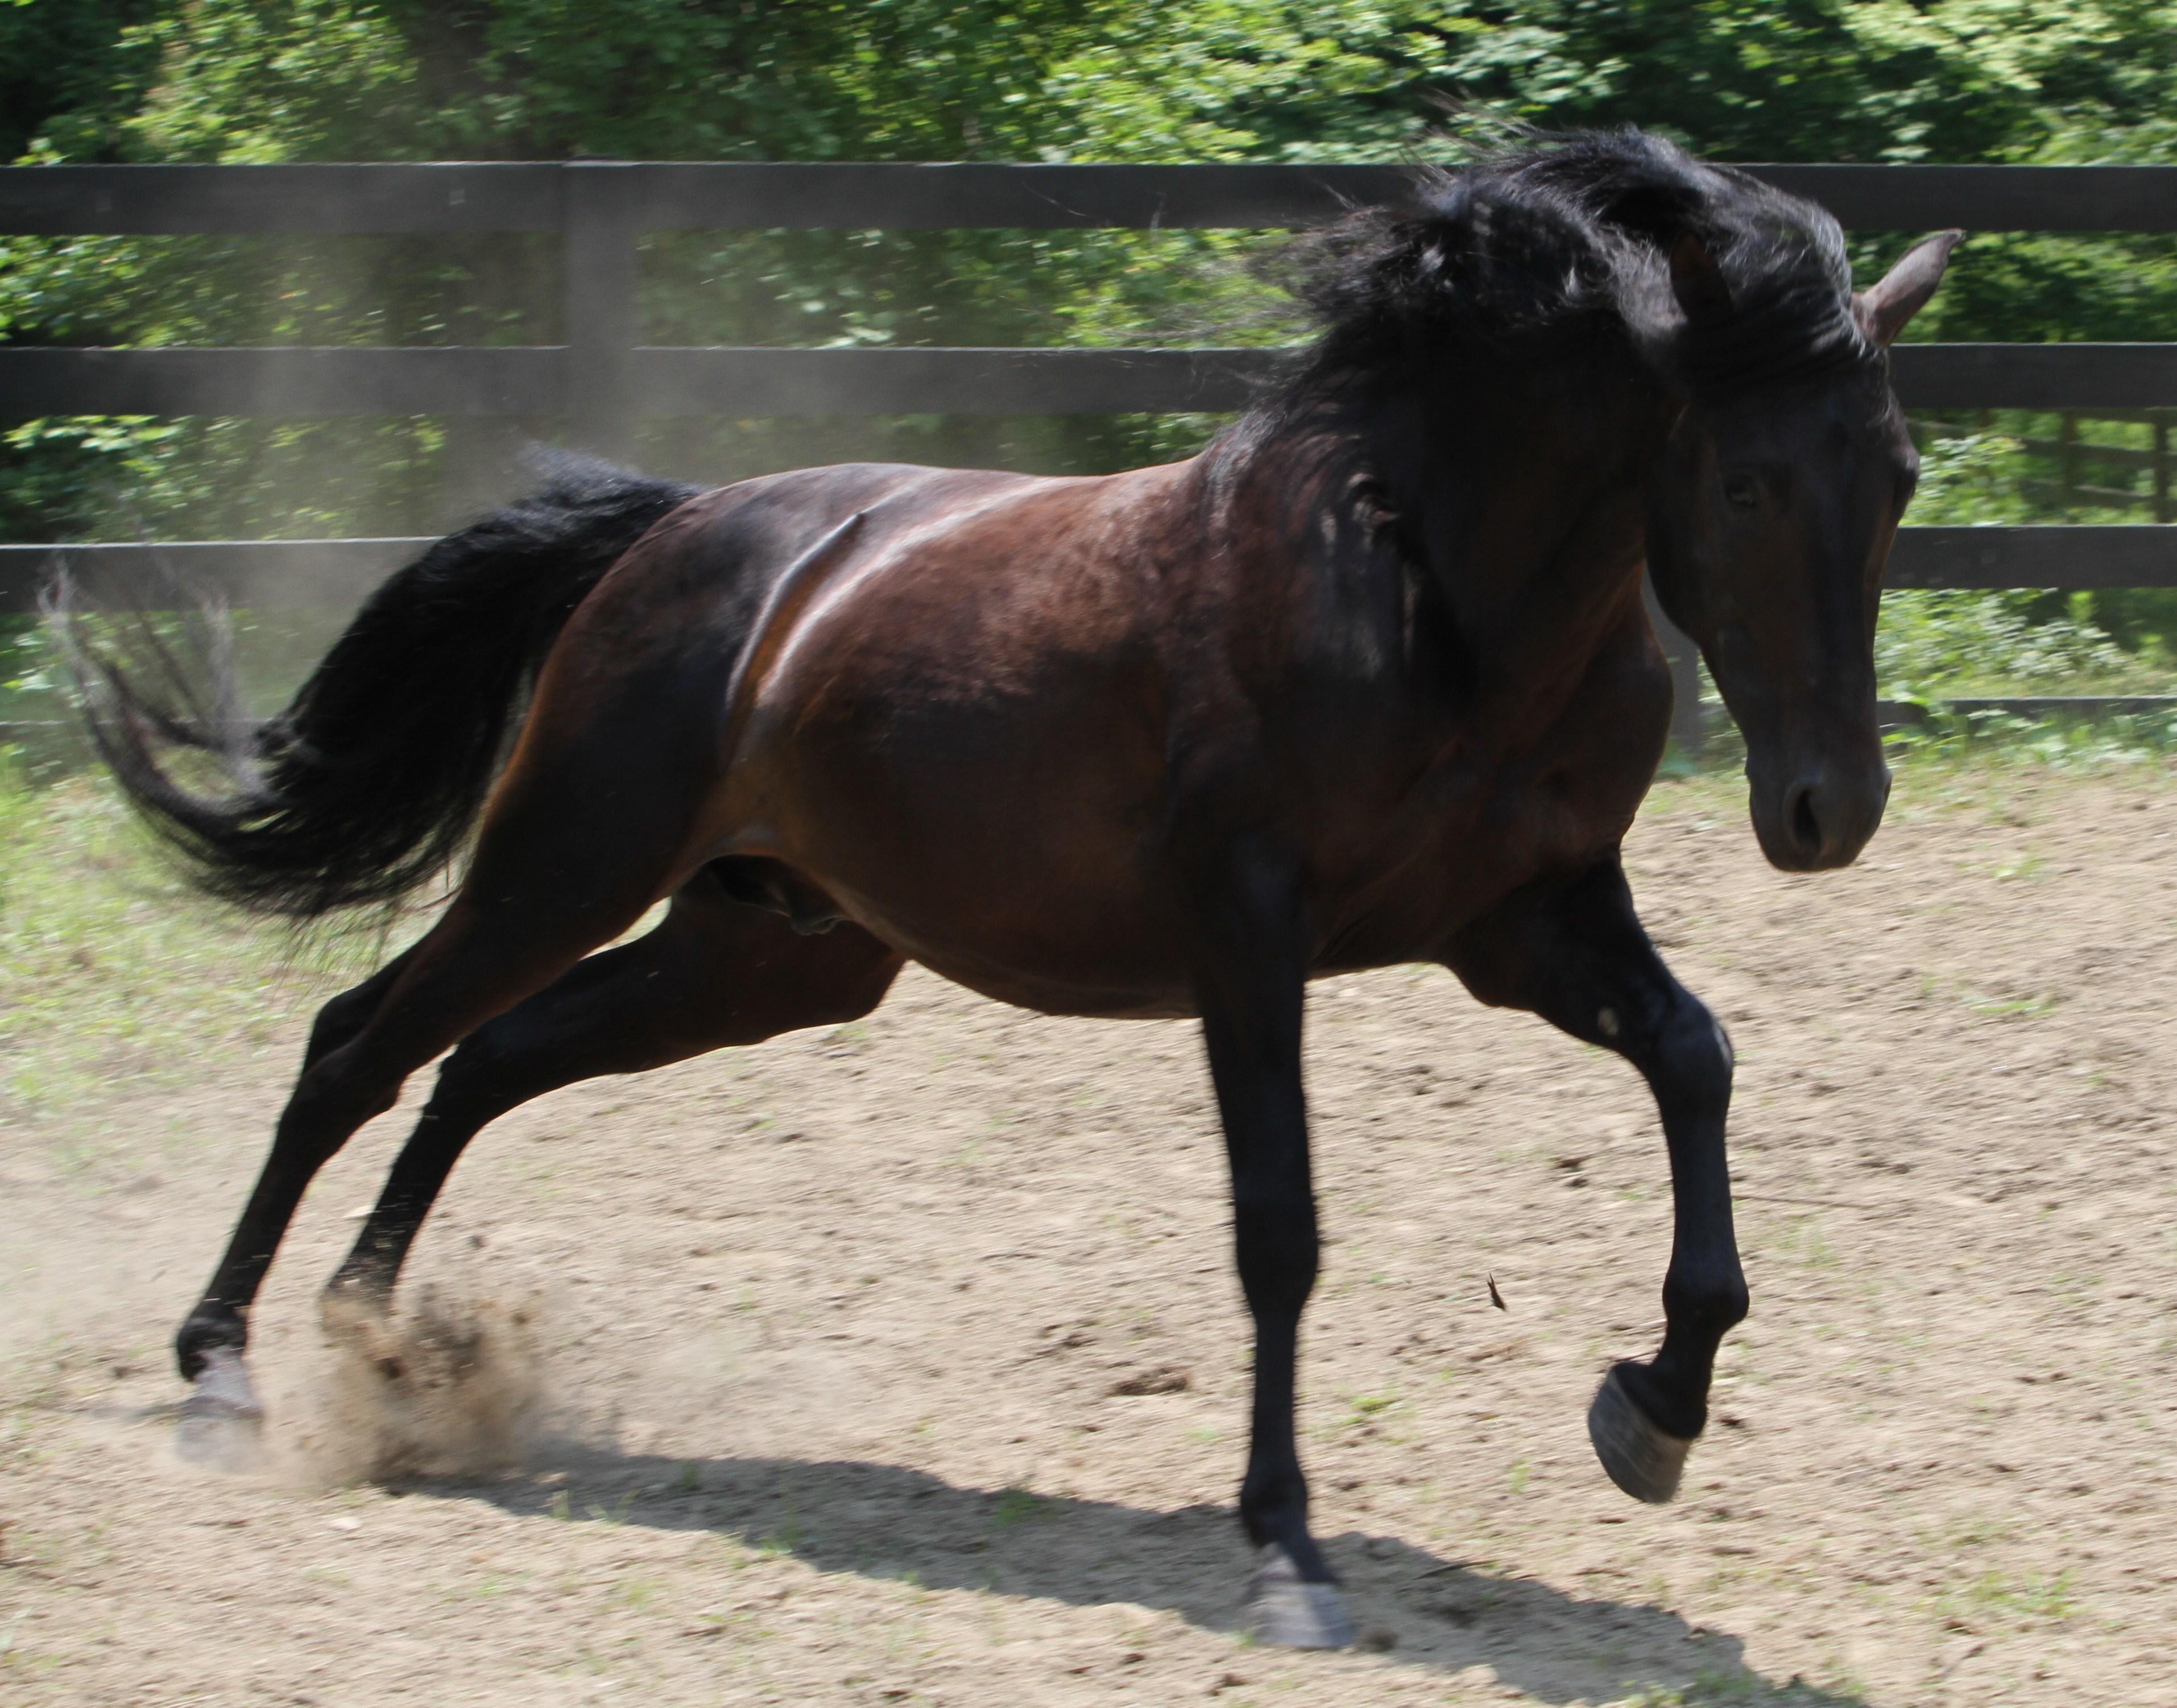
(1551, 246)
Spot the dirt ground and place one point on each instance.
(904, 1362)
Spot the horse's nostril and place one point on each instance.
(1806, 829)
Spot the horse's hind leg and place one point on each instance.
(545, 890)
(211, 1339)
(1574, 954)
(714, 972)
(216, 1324)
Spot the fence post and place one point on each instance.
(1688, 718)
(599, 223)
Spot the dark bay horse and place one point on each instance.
(1367, 681)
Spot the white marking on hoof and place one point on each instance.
(223, 1422)
(1641, 1457)
(1284, 1612)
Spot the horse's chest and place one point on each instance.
(1470, 831)
(1403, 901)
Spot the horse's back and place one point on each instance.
(676, 611)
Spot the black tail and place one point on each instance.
(365, 786)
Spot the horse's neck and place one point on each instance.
(1531, 522)
(1520, 504)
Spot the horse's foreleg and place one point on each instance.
(1249, 983)
(713, 973)
(1576, 953)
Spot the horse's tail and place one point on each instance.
(365, 787)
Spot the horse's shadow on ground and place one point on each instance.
(885, 1520)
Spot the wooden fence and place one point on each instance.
(601, 378)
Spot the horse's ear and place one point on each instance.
(1697, 282)
(1883, 309)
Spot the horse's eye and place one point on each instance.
(1741, 492)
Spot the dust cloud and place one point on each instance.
(446, 1385)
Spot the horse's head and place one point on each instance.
(1767, 536)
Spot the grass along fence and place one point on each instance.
(600, 379)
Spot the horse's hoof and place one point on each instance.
(1284, 1612)
(1641, 1457)
(223, 1422)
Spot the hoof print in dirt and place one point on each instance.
(1641, 1459)
(1284, 1612)
(1165, 1379)
(222, 1423)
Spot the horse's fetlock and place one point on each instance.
(205, 1329)
(1712, 1305)
(1265, 1493)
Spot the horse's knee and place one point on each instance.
(856, 1001)
(840, 979)
(1690, 1061)
(1276, 1249)
(338, 1022)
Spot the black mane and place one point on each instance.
(1567, 242)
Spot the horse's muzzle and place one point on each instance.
(1815, 818)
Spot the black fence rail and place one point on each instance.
(601, 378)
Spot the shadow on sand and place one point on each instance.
(883, 1520)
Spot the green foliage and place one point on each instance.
(1932, 645)
(71, 72)
(1971, 478)
(244, 82)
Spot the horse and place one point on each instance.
(1369, 680)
